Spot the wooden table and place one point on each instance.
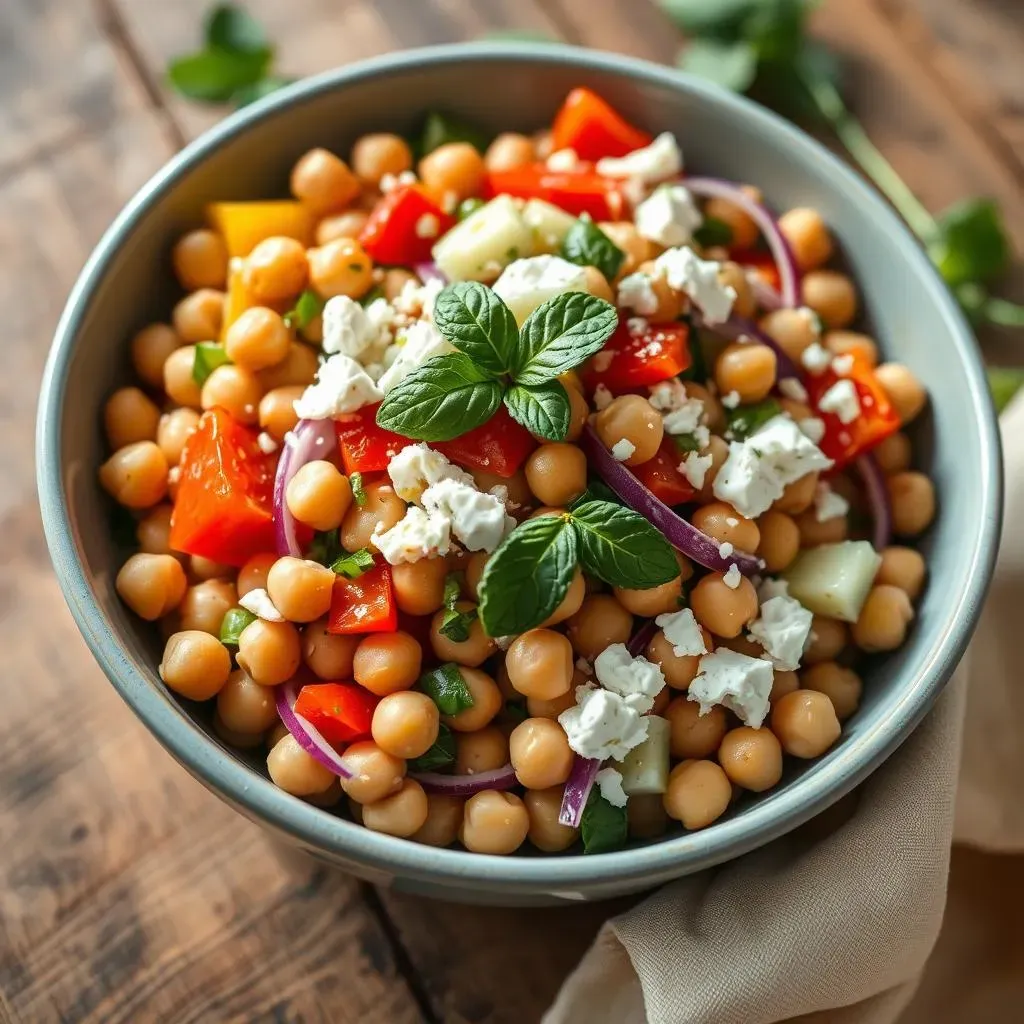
(127, 892)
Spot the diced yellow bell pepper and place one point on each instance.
(238, 299)
(245, 225)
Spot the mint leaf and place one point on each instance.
(234, 621)
(543, 409)
(230, 27)
(588, 246)
(216, 76)
(597, 490)
(455, 624)
(528, 575)
(475, 320)
(447, 689)
(264, 87)
(209, 355)
(355, 481)
(445, 397)
(603, 826)
(972, 244)
(353, 565)
(621, 547)
(325, 547)
(308, 306)
(441, 754)
(732, 65)
(713, 232)
(440, 129)
(1004, 382)
(745, 420)
(560, 334)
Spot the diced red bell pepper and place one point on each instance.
(843, 442)
(661, 475)
(579, 191)
(761, 262)
(404, 226)
(587, 124)
(224, 505)
(340, 712)
(498, 446)
(365, 447)
(633, 358)
(365, 604)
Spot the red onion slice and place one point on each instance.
(577, 790)
(430, 271)
(878, 498)
(306, 735)
(678, 532)
(789, 273)
(764, 294)
(642, 638)
(466, 785)
(311, 439)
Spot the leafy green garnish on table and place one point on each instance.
(1004, 382)
(234, 621)
(208, 356)
(445, 686)
(354, 564)
(586, 245)
(455, 624)
(497, 361)
(308, 306)
(441, 754)
(603, 826)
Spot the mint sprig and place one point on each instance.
(445, 686)
(586, 245)
(603, 826)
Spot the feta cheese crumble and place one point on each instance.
(731, 400)
(683, 633)
(660, 160)
(526, 283)
(478, 520)
(827, 504)
(732, 578)
(623, 449)
(739, 683)
(669, 216)
(266, 443)
(687, 272)
(258, 602)
(725, 549)
(416, 300)
(617, 670)
(562, 160)
(842, 400)
(769, 588)
(418, 535)
(842, 364)
(816, 358)
(680, 414)
(760, 468)
(342, 386)
(416, 344)
(812, 428)
(417, 466)
(790, 387)
(603, 724)
(609, 782)
(636, 292)
(347, 327)
(695, 468)
(782, 630)
(602, 398)
(428, 226)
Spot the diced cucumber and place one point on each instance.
(645, 768)
(548, 223)
(834, 579)
(481, 246)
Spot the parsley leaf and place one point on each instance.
(586, 245)
(745, 420)
(455, 624)
(732, 65)
(972, 244)
(445, 686)
(209, 355)
(603, 826)
(264, 87)
(441, 754)
(475, 320)
(235, 620)
(713, 232)
(621, 547)
(445, 397)
(544, 409)
(325, 548)
(229, 27)
(685, 443)
(353, 565)
(308, 306)
(528, 575)
(355, 481)
(215, 76)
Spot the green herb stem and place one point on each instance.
(1003, 313)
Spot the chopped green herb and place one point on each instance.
(235, 620)
(745, 420)
(622, 547)
(469, 206)
(512, 253)
(375, 293)
(455, 624)
(355, 481)
(325, 548)
(698, 368)
(685, 443)
(713, 232)
(353, 565)
(440, 129)
(586, 245)
(209, 355)
(603, 826)
(447, 689)
(308, 306)
(441, 754)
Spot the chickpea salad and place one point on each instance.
(526, 490)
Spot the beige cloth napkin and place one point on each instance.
(835, 922)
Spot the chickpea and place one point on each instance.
(698, 793)
(540, 753)
(718, 450)
(244, 707)
(902, 389)
(258, 339)
(692, 734)
(173, 429)
(670, 302)
(456, 168)
(318, 495)
(482, 751)
(298, 368)
(136, 476)
(600, 622)
(130, 416)
(275, 734)
(405, 724)
(419, 586)
(638, 250)
(150, 349)
(808, 237)
(832, 296)
(396, 279)
(300, 589)
(912, 497)
(904, 568)
(178, 381)
(348, 224)
(198, 316)
(654, 600)
(269, 651)
(475, 566)
(539, 707)
(508, 150)
(295, 771)
(841, 685)
(387, 662)
(828, 638)
(205, 605)
(200, 260)
(151, 585)
(253, 574)
(721, 522)
(473, 651)
(882, 624)
(493, 822)
(330, 797)
(239, 740)
(323, 182)
(375, 774)
(540, 664)
(779, 540)
(798, 496)
(173, 482)
(328, 655)
(382, 153)
(444, 819)
(557, 473)
(747, 368)
(275, 270)
(382, 506)
(487, 702)
(207, 569)
(678, 670)
(805, 723)
(633, 419)
(195, 664)
(645, 816)
(843, 343)
(546, 832)
(893, 454)
(276, 411)
(733, 276)
(745, 232)
(571, 603)
(234, 389)
(340, 267)
(814, 533)
(782, 683)
(153, 531)
(721, 609)
(794, 329)
(752, 758)
(402, 813)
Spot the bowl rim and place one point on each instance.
(240, 785)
